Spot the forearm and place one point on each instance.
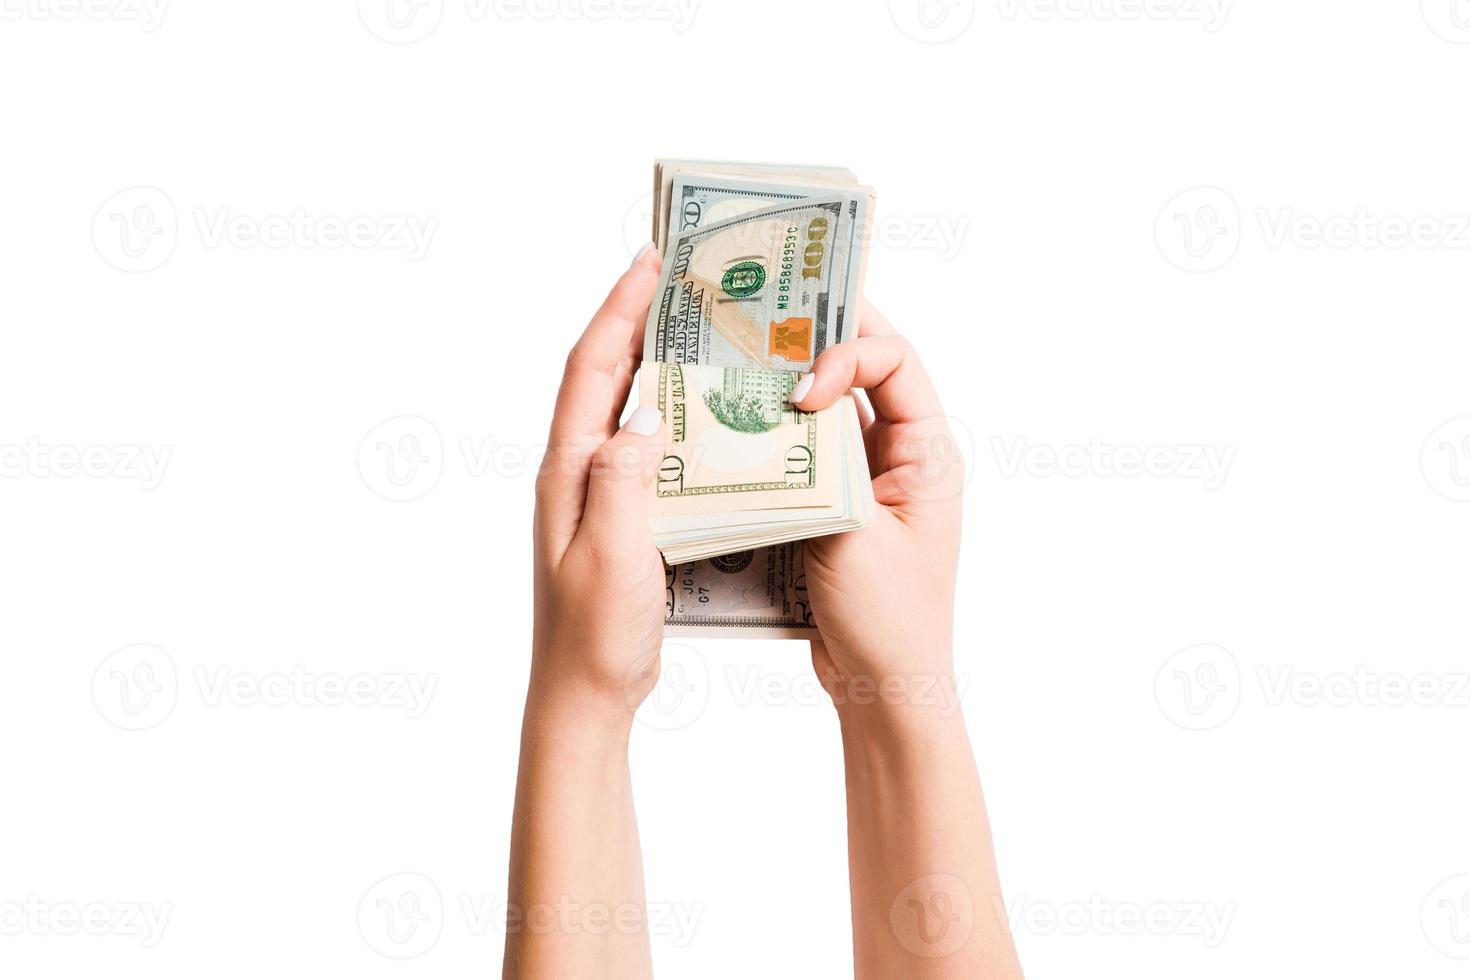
(925, 892)
(576, 900)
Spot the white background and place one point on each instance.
(1107, 227)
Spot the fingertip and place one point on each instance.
(803, 387)
(825, 382)
(627, 304)
(645, 421)
(647, 257)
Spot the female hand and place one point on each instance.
(883, 597)
(599, 580)
(599, 622)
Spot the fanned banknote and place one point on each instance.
(762, 270)
(758, 290)
(827, 180)
(698, 201)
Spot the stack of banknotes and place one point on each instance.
(762, 270)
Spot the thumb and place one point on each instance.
(623, 470)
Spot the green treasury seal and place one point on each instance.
(743, 279)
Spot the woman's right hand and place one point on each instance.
(883, 597)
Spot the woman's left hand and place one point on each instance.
(600, 587)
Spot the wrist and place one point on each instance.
(899, 746)
(899, 709)
(559, 700)
(570, 740)
(917, 687)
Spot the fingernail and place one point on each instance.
(803, 388)
(645, 421)
(641, 252)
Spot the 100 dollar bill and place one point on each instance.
(753, 291)
(699, 200)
